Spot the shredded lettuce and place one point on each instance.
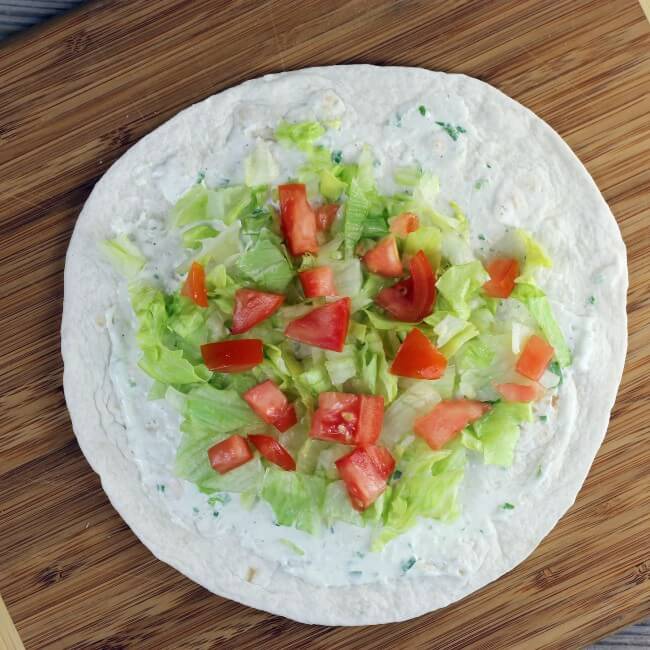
(192, 237)
(341, 366)
(221, 411)
(337, 506)
(296, 499)
(540, 309)
(260, 167)
(228, 203)
(535, 256)
(427, 239)
(460, 283)
(356, 212)
(428, 488)
(498, 431)
(299, 134)
(124, 255)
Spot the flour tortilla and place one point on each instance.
(580, 233)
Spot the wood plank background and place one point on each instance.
(75, 94)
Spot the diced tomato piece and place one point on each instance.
(371, 419)
(273, 451)
(447, 419)
(382, 459)
(348, 419)
(287, 419)
(229, 453)
(337, 418)
(502, 277)
(318, 281)
(412, 299)
(323, 327)
(534, 358)
(520, 392)
(418, 358)
(384, 259)
(363, 479)
(194, 287)
(298, 219)
(252, 307)
(325, 216)
(232, 356)
(270, 403)
(404, 223)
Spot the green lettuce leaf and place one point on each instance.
(124, 255)
(296, 499)
(427, 239)
(540, 309)
(459, 284)
(498, 431)
(299, 134)
(222, 411)
(428, 488)
(265, 263)
(535, 256)
(260, 167)
(355, 214)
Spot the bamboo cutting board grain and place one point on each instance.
(76, 94)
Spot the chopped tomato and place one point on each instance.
(229, 453)
(298, 219)
(412, 299)
(347, 418)
(318, 281)
(371, 419)
(404, 223)
(337, 418)
(384, 259)
(273, 451)
(363, 480)
(286, 420)
(520, 392)
(502, 277)
(270, 403)
(418, 358)
(534, 358)
(194, 286)
(232, 356)
(323, 327)
(325, 216)
(252, 307)
(382, 459)
(447, 419)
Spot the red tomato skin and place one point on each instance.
(363, 480)
(323, 327)
(447, 419)
(325, 216)
(534, 358)
(273, 451)
(503, 272)
(232, 356)
(194, 286)
(317, 282)
(229, 454)
(268, 402)
(520, 392)
(418, 358)
(404, 224)
(252, 307)
(384, 259)
(412, 299)
(298, 219)
(371, 420)
(287, 420)
(383, 460)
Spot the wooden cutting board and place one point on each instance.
(77, 93)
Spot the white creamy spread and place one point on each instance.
(340, 555)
